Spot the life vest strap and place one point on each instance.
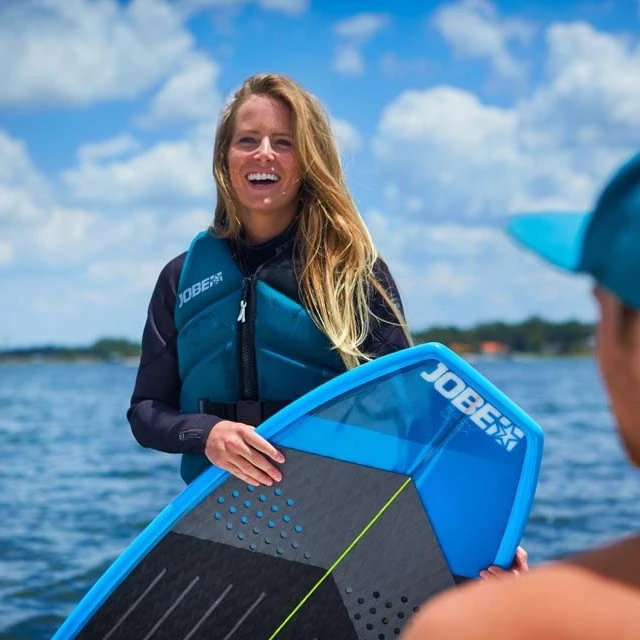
(252, 412)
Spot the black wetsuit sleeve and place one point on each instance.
(386, 335)
(154, 413)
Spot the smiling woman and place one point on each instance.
(283, 292)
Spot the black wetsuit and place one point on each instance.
(154, 414)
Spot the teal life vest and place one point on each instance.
(240, 339)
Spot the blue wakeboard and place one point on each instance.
(403, 477)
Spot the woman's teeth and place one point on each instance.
(263, 177)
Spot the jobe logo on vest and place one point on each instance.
(199, 287)
(469, 402)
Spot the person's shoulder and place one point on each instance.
(381, 269)
(563, 601)
(165, 291)
(172, 269)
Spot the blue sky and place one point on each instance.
(450, 117)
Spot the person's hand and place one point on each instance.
(519, 565)
(238, 449)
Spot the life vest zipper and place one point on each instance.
(248, 369)
(246, 341)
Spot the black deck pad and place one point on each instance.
(336, 551)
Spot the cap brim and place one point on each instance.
(557, 237)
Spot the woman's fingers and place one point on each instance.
(236, 447)
(519, 565)
(239, 473)
(256, 441)
(521, 562)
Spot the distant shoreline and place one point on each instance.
(533, 338)
(471, 357)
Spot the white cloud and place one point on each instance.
(592, 98)
(6, 253)
(113, 147)
(360, 28)
(444, 145)
(474, 29)
(355, 32)
(62, 231)
(291, 7)
(188, 95)
(394, 66)
(39, 229)
(463, 274)
(348, 61)
(24, 196)
(16, 167)
(465, 158)
(78, 51)
(347, 136)
(176, 170)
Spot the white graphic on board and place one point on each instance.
(469, 402)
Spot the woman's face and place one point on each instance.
(263, 164)
(618, 351)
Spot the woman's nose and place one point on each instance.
(264, 149)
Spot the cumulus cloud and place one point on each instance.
(6, 253)
(450, 273)
(41, 230)
(347, 136)
(289, 7)
(78, 51)
(592, 97)
(393, 65)
(78, 262)
(118, 146)
(188, 95)
(174, 170)
(468, 159)
(474, 29)
(354, 33)
(348, 60)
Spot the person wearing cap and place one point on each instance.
(594, 595)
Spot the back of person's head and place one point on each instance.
(605, 244)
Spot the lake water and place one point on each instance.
(75, 488)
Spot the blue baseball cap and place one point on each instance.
(604, 243)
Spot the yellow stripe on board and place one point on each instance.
(340, 558)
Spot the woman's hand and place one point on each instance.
(238, 449)
(519, 565)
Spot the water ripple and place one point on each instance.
(63, 430)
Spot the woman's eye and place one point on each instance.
(283, 143)
(247, 140)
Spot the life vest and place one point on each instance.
(240, 339)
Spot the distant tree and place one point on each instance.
(533, 335)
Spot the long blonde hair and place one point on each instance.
(334, 250)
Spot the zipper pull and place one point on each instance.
(241, 316)
(246, 281)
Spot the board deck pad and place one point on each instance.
(283, 563)
(403, 477)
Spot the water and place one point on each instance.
(75, 488)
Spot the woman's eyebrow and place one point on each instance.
(275, 133)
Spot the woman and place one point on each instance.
(283, 292)
(596, 595)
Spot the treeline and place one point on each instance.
(534, 335)
(105, 349)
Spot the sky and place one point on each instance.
(450, 117)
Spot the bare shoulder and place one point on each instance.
(560, 601)
(619, 561)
